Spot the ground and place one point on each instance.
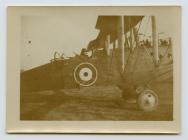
(92, 103)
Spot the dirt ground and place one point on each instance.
(93, 103)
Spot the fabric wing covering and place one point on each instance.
(109, 25)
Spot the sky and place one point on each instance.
(42, 36)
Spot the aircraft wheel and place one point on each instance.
(147, 100)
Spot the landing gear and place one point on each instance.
(147, 100)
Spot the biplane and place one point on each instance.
(116, 57)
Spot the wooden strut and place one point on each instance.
(155, 40)
(121, 42)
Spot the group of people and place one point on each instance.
(162, 42)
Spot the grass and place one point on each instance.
(93, 103)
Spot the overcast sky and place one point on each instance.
(43, 35)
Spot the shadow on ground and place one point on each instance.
(101, 103)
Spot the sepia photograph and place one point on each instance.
(98, 64)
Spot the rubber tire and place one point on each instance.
(140, 100)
